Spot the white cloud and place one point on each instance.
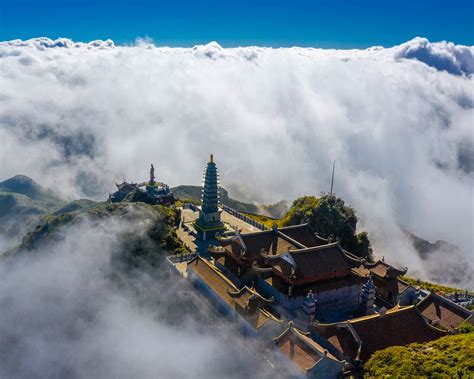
(63, 316)
(445, 56)
(397, 121)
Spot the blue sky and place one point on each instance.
(319, 23)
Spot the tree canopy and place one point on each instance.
(330, 218)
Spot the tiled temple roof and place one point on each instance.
(247, 302)
(303, 234)
(273, 242)
(311, 264)
(249, 246)
(304, 352)
(342, 337)
(384, 270)
(443, 312)
(398, 327)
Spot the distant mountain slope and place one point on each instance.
(193, 194)
(48, 228)
(425, 247)
(23, 203)
(23, 185)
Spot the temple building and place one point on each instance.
(154, 193)
(123, 189)
(357, 339)
(209, 222)
(389, 287)
(291, 262)
(339, 308)
(245, 305)
(444, 313)
(307, 358)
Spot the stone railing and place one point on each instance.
(191, 206)
(181, 258)
(244, 218)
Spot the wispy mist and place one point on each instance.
(397, 121)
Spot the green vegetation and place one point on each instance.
(430, 286)
(331, 218)
(160, 226)
(448, 357)
(76, 205)
(267, 221)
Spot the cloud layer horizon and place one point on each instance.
(78, 117)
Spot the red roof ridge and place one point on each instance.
(251, 290)
(315, 248)
(291, 240)
(390, 311)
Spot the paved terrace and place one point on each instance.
(187, 233)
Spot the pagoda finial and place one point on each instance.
(211, 158)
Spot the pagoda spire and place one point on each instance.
(209, 221)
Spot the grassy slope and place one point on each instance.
(429, 285)
(163, 219)
(265, 220)
(448, 357)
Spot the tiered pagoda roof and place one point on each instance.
(210, 191)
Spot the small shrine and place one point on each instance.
(154, 192)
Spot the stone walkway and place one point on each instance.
(186, 232)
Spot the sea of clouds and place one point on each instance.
(399, 121)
